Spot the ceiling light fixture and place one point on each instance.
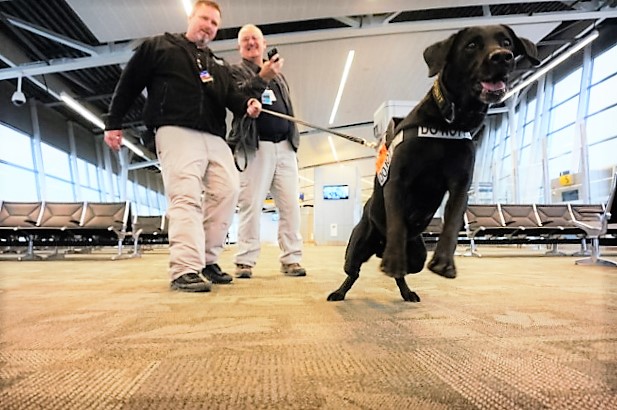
(84, 112)
(188, 6)
(341, 86)
(551, 65)
(331, 142)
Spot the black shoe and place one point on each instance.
(191, 282)
(216, 275)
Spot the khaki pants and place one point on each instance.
(201, 185)
(273, 168)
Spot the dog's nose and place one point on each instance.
(501, 56)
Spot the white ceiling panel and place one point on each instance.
(118, 20)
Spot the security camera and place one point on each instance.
(18, 97)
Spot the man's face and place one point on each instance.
(203, 24)
(251, 44)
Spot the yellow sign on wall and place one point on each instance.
(566, 180)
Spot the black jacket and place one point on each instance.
(246, 76)
(167, 67)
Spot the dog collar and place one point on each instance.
(446, 107)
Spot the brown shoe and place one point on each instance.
(191, 282)
(293, 269)
(243, 271)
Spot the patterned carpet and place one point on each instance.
(515, 330)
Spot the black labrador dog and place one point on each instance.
(431, 153)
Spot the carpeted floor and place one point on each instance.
(515, 330)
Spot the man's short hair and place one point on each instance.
(209, 3)
(246, 27)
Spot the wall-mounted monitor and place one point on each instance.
(567, 196)
(335, 192)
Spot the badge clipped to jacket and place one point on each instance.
(205, 76)
(268, 97)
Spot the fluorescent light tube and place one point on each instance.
(188, 6)
(341, 86)
(81, 110)
(332, 148)
(84, 112)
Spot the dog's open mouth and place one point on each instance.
(492, 91)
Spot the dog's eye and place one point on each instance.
(471, 46)
(506, 42)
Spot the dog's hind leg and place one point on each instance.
(407, 294)
(363, 243)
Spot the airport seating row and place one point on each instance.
(94, 224)
(549, 224)
(55, 225)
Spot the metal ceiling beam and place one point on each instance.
(53, 66)
(422, 26)
(58, 38)
(121, 57)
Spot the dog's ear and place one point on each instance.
(524, 47)
(435, 55)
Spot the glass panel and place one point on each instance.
(20, 152)
(561, 142)
(567, 87)
(531, 111)
(90, 195)
(604, 65)
(558, 165)
(25, 190)
(601, 126)
(528, 134)
(563, 115)
(58, 190)
(56, 162)
(603, 154)
(603, 95)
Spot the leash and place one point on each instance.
(357, 140)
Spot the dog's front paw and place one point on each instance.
(443, 267)
(336, 296)
(410, 296)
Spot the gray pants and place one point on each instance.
(201, 185)
(274, 169)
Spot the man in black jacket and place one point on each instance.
(273, 167)
(188, 91)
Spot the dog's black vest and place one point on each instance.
(387, 148)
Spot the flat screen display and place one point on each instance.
(333, 192)
(567, 196)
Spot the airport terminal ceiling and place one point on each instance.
(79, 46)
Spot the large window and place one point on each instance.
(573, 132)
(89, 181)
(58, 176)
(601, 134)
(530, 158)
(17, 175)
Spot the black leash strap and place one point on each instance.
(358, 140)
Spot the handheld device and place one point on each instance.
(272, 53)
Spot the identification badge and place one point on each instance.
(268, 97)
(205, 76)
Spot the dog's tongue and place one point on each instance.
(498, 86)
